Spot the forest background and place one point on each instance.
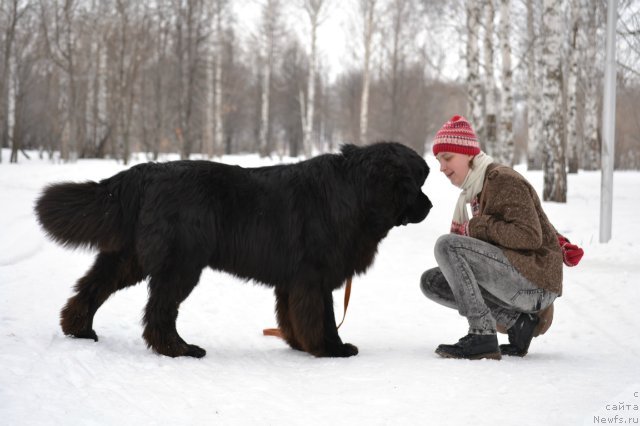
(108, 78)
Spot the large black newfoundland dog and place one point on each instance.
(302, 229)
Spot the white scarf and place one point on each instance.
(471, 186)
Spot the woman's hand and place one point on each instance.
(571, 253)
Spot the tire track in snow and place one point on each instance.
(16, 248)
(590, 320)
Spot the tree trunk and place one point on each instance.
(490, 136)
(505, 133)
(208, 122)
(190, 29)
(313, 8)
(270, 16)
(591, 145)
(555, 174)
(212, 123)
(572, 87)
(13, 132)
(71, 154)
(368, 14)
(264, 110)
(473, 66)
(159, 129)
(534, 88)
(5, 77)
(218, 135)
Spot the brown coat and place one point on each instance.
(511, 217)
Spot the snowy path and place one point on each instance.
(588, 360)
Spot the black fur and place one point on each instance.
(302, 229)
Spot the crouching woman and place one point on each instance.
(501, 268)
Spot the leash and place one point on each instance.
(276, 332)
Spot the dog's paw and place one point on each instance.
(349, 350)
(344, 350)
(195, 351)
(181, 349)
(172, 345)
(85, 334)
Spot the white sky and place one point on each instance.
(334, 44)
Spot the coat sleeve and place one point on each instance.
(509, 217)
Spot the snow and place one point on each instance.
(586, 364)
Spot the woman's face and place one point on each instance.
(455, 166)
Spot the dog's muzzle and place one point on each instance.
(417, 211)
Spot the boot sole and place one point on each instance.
(489, 355)
(509, 352)
(519, 355)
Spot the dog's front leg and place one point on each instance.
(333, 343)
(313, 321)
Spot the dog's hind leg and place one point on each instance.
(314, 324)
(284, 319)
(110, 272)
(167, 290)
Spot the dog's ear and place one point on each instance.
(348, 149)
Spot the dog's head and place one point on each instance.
(392, 175)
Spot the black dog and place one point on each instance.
(302, 229)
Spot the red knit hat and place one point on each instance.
(456, 135)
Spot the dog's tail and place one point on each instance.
(89, 214)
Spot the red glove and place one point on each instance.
(571, 253)
(460, 228)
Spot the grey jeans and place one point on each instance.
(477, 279)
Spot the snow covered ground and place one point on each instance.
(585, 370)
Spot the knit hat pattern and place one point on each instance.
(456, 135)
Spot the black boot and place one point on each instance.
(520, 335)
(472, 346)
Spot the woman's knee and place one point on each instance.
(428, 280)
(435, 287)
(444, 246)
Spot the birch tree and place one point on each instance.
(10, 13)
(591, 143)
(490, 135)
(554, 167)
(22, 69)
(572, 85)
(8, 79)
(190, 36)
(209, 109)
(473, 66)
(505, 132)
(295, 74)
(12, 95)
(130, 43)
(534, 86)
(368, 13)
(213, 130)
(61, 44)
(403, 22)
(98, 130)
(157, 80)
(218, 133)
(269, 32)
(314, 10)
